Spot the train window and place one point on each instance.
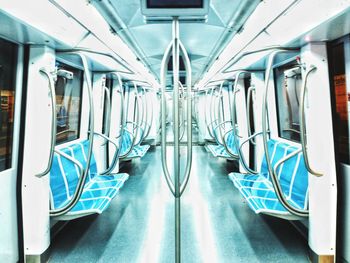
(338, 64)
(8, 57)
(68, 103)
(288, 83)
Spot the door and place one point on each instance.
(10, 97)
(339, 53)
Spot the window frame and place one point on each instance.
(70, 66)
(280, 68)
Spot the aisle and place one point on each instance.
(217, 226)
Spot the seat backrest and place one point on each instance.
(230, 142)
(64, 174)
(292, 174)
(126, 143)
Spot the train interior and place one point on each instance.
(174, 131)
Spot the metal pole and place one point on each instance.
(176, 58)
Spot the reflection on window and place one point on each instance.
(8, 57)
(288, 87)
(341, 98)
(68, 103)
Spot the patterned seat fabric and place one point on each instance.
(219, 150)
(138, 151)
(293, 177)
(98, 191)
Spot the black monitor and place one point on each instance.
(183, 9)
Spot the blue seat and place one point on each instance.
(218, 150)
(98, 191)
(138, 151)
(258, 190)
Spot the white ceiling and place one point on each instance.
(203, 41)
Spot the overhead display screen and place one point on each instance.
(174, 3)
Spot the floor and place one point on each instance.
(217, 226)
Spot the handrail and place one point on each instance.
(151, 121)
(122, 117)
(275, 183)
(147, 126)
(163, 72)
(242, 160)
(137, 107)
(206, 114)
(182, 122)
(259, 50)
(52, 93)
(135, 124)
(219, 114)
(233, 117)
(301, 212)
(108, 113)
(115, 156)
(189, 117)
(81, 182)
(143, 122)
(302, 124)
(77, 193)
(250, 91)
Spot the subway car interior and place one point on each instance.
(174, 131)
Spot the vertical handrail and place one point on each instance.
(134, 125)
(274, 179)
(52, 93)
(233, 118)
(182, 121)
(302, 123)
(163, 72)
(151, 121)
(108, 113)
(145, 106)
(250, 92)
(122, 115)
(206, 111)
(80, 186)
(189, 118)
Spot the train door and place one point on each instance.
(339, 66)
(10, 96)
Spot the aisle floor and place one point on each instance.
(217, 225)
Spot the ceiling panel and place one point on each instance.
(203, 41)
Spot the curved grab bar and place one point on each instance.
(135, 124)
(233, 118)
(250, 92)
(139, 120)
(108, 113)
(274, 180)
(301, 212)
(82, 179)
(302, 124)
(206, 114)
(189, 117)
(53, 122)
(151, 121)
(243, 161)
(115, 156)
(77, 193)
(147, 126)
(163, 72)
(122, 117)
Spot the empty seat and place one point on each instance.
(293, 177)
(98, 191)
(219, 150)
(138, 151)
